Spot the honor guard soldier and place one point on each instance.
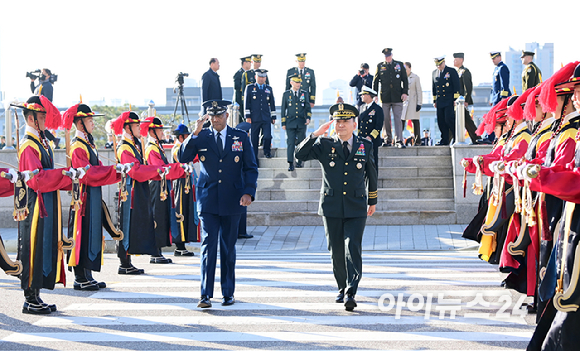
(185, 206)
(445, 91)
(260, 112)
(348, 174)
(41, 241)
(249, 77)
(87, 219)
(307, 76)
(166, 225)
(500, 88)
(246, 62)
(531, 74)
(371, 121)
(227, 182)
(392, 77)
(295, 116)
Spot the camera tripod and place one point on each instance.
(180, 98)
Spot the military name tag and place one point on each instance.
(202, 158)
(237, 146)
(359, 165)
(237, 159)
(331, 164)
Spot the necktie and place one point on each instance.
(220, 145)
(345, 149)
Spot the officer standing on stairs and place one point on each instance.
(296, 114)
(348, 172)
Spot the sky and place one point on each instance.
(133, 50)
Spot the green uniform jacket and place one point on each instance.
(344, 181)
(308, 81)
(531, 76)
(295, 111)
(393, 80)
(238, 87)
(465, 84)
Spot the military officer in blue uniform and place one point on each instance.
(445, 91)
(295, 116)
(246, 62)
(227, 182)
(348, 174)
(500, 88)
(370, 120)
(260, 111)
(249, 76)
(307, 76)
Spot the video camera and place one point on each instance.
(53, 77)
(179, 78)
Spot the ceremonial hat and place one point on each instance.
(42, 104)
(257, 57)
(387, 51)
(125, 118)
(566, 87)
(79, 110)
(515, 109)
(497, 115)
(150, 123)
(439, 60)
(547, 97)
(458, 55)
(527, 53)
(296, 78)
(343, 111)
(261, 72)
(301, 57)
(531, 101)
(245, 126)
(364, 65)
(367, 90)
(246, 59)
(216, 107)
(181, 130)
(494, 54)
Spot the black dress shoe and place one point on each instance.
(228, 301)
(340, 296)
(532, 309)
(299, 164)
(183, 253)
(349, 303)
(130, 270)
(87, 286)
(160, 260)
(52, 306)
(290, 167)
(400, 145)
(268, 156)
(245, 236)
(204, 302)
(386, 144)
(32, 308)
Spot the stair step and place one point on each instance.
(314, 194)
(384, 172)
(382, 205)
(379, 218)
(387, 161)
(393, 183)
(385, 151)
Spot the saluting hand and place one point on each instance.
(371, 210)
(323, 128)
(246, 200)
(199, 124)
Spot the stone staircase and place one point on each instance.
(415, 187)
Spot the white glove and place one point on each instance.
(166, 170)
(521, 170)
(191, 169)
(119, 167)
(493, 166)
(27, 175)
(14, 174)
(81, 172)
(127, 167)
(510, 168)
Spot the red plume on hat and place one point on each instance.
(494, 116)
(119, 122)
(53, 116)
(547, 97)
(530, 108)
(69, 116)
(145, 124)
(516, 111)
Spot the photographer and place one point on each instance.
(44, 86)
(361, 78)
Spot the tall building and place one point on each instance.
(544, 59)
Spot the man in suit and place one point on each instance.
(500, 88)
(246, 62)
(307, 76)
(227, 182)
(295, 116)
(211, 88)
(362, 78)
(392, 77)
(370, 121)
(249, 77)
(260, 111)
(445, 91)
(349, 172)
(531, 74)
(465, 90)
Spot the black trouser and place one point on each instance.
(470, 126)
(243, 227)
(446, 123)
(344, 237)
(376, 145)
(294, 136)
(266, 128)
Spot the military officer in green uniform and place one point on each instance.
(348, 174)
(296, 115)
(246, 62)
(531, 74)
(307, 76)
(249, 76)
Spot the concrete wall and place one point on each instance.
(466, 208)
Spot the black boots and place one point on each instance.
(180, 250)
(34, 305)
(127, 267)
(81, 280)
(160, 259)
